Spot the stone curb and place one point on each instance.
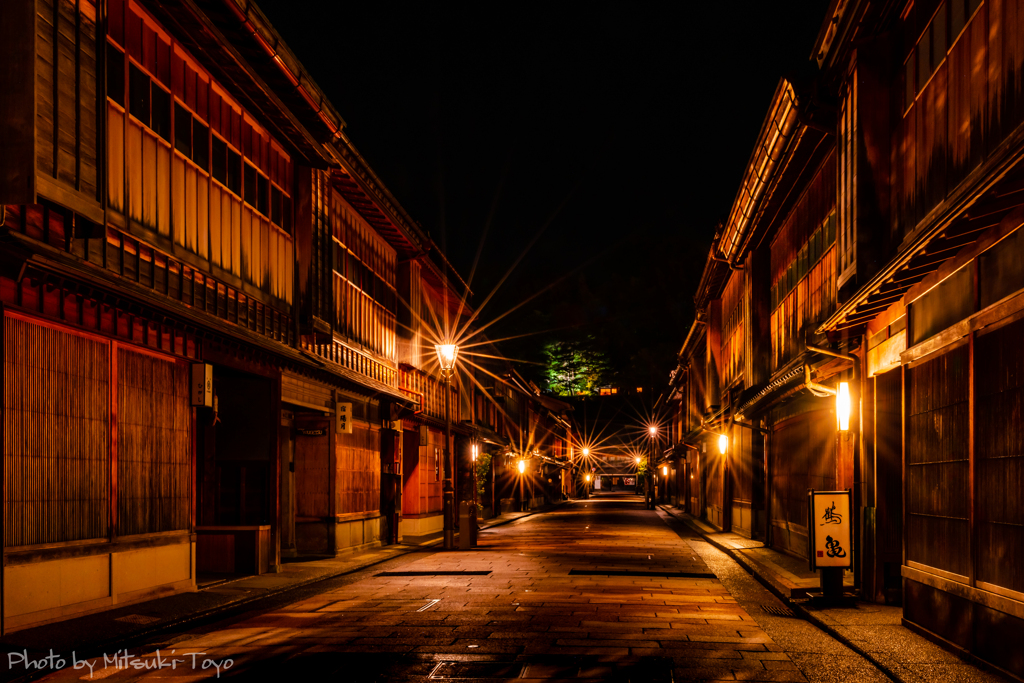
(797, 608)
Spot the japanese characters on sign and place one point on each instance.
(344, 417)
(830, 529)
(202, 385)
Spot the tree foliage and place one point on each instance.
(575, 366)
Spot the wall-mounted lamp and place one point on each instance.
(843, 406)
(637, 460)
(475, 451)
(522, 466)
(664, 470)
(586, 478)
(723, 443)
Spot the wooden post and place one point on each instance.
(3, 472)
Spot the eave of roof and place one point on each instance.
(980, 203)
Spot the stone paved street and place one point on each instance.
(596, 590)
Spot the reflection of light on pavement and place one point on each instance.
(428, 605)
(103, 673)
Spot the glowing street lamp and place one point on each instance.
(474, 452)
(652, 431)
(522, 466)
(664, 470)
(723, 443)
(586, 452)
(843, 406)
(446, 356)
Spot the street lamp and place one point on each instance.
(723, 443)
(475, 453)
(843, 406)
(652, 431)
(446, 356)
(522, 493)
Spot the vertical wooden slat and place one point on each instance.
(154, 453)
(49, 472)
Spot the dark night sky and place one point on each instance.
(637, 119)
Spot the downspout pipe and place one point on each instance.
(819, 390)
(834, 354)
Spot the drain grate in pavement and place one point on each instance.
(138, 619)
(456, 670)
(464, 573)
(777, 610)
(657, 575)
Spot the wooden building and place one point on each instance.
(180, 202)
(874, 241)
(430, 304)
(516, 425)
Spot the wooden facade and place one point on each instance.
(889, 219)
(166, 202)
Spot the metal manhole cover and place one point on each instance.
(656, 575)
(436, 573)
(139, 619)
(777, 611)
(457, 670)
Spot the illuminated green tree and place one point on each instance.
(575, 366)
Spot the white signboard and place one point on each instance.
(830, 529)
(597, 483)
(344, 416)
(202, 385)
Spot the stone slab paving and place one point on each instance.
(685, 613)
(875, 631)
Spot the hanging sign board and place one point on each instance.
(202, 385)
(344, 411)
(830, 529)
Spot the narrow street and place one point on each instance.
(598, 589)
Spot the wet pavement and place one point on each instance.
(597, 590)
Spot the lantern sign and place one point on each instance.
(202, 385)
(830, 529)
